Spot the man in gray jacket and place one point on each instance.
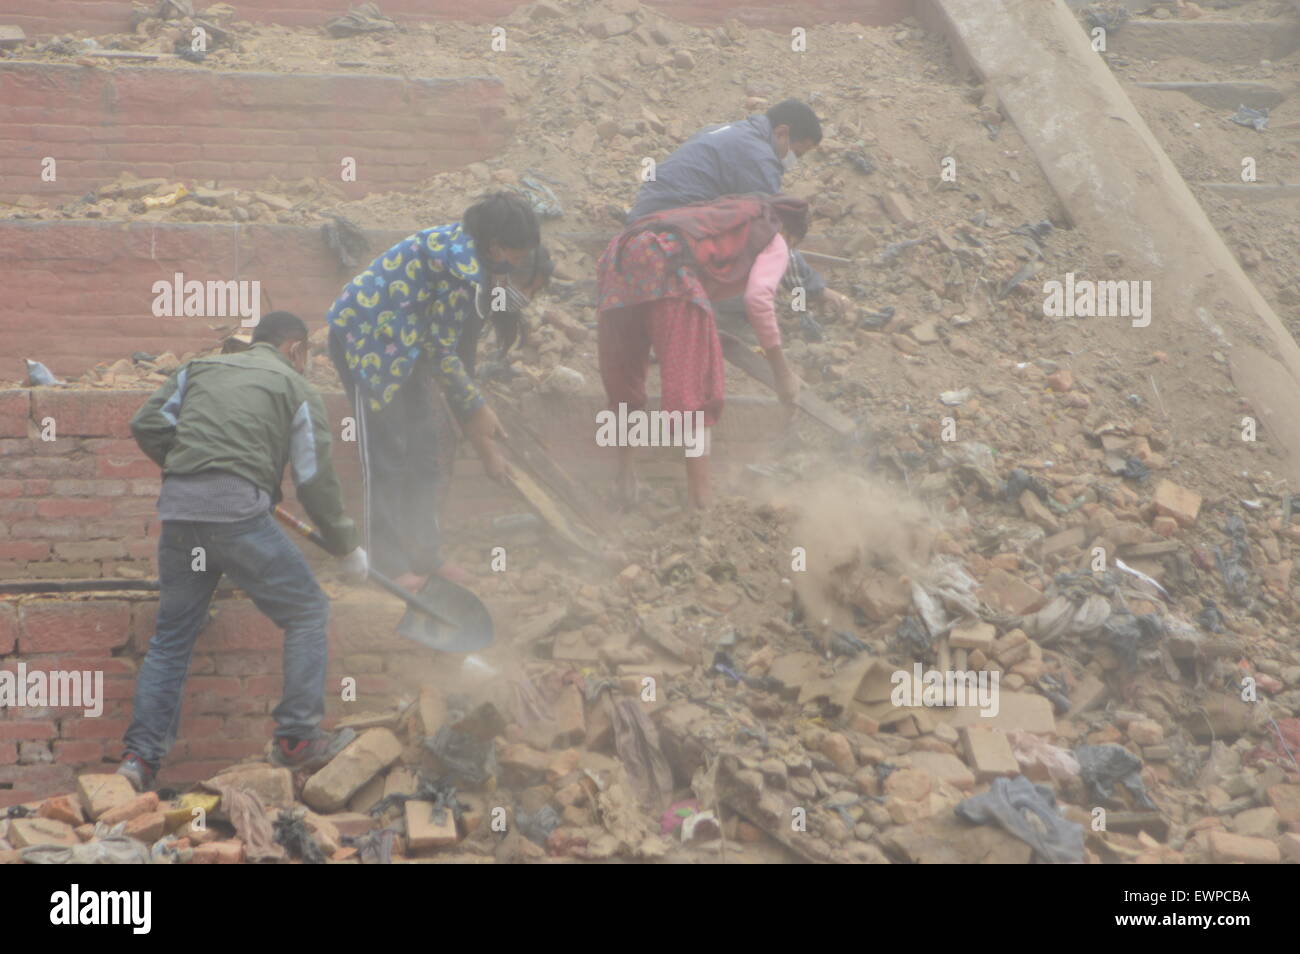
(222, 429)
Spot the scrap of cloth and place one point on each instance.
(251, 824)
(1029, 812)
(415, 299)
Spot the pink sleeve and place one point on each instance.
(760, 291)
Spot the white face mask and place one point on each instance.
(790, 160)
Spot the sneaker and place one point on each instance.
(137, 771)
(309, 754)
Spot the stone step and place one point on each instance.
(1256, 192)
(1226, 95)
(1207, 41)
(1132, 6)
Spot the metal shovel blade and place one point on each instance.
(472, 624)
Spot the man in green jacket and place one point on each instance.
(222, 429)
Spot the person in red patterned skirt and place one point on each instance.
(656, 284)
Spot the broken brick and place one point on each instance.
(364, 758)
(988, 752)
(101, 793)
(1178, 502)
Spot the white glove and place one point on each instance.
(356, 566)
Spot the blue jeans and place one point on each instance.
(262, 561)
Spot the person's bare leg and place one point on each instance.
(699, 478)
(625, 481)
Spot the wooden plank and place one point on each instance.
(545, 507)
(527, 449)
(749, 361)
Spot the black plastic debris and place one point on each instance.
(873, 320)
(16, 811)
(859, 160)
(1230, 560)
(464, 758)
(1135, 470)
(1035, 235)
(844, 643)
(442, 792)
(912, 633)
(374, 847)
(1127, 633)
(292, 832)
(1038, 231)
(1020, 480)
(1256, 119)
(1028, 812)
(1054, 689)
(538, 826)
(1209, 616)
(1101, 767)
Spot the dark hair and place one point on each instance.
(798, 115)
(506, 218)
(793, 213)
(543, 267)
(279, 327)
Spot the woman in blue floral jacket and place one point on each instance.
(394, 331)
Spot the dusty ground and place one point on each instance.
(905, 508)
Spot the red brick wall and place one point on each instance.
(93, 281)
(113, 16)
(237, 127)
(82, 506)
(234, 682)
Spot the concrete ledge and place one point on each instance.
(1208, 41)
(1227, 96)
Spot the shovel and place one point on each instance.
(443, 615)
